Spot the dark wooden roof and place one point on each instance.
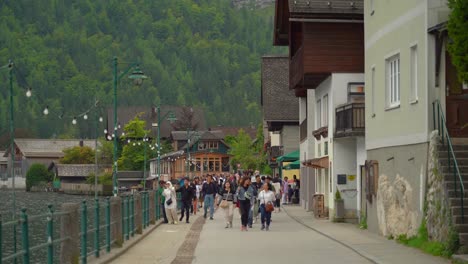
(279, 103)
(233, 131)
(125, 114)
(333, 7)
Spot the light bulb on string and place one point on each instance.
(105, 131)
(101, 119)
(46, 110)
(133, 143)
(85, 117)
(113, 135)
(123, 134)
(139, 143)
(128, 141)
(28, 92)
(74, 121)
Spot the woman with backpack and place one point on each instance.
(267, 199)
(244, 194)
(170, 203)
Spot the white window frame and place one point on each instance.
(414, 74)
(318, 114)
(392, 79)
(325, 111)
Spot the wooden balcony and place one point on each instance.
(350, 120)
(303, 130)
(296, 69)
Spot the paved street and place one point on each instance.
(286, 242)
(293, 238)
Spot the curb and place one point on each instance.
(117, 252)
(368, 257)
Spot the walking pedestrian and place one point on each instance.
(285, 191)
(244, 194)
(162, 199)
(186, 195)
(209, 191)
(258, 187)
(170, 203)
(196, 198)
(227, 203)
(266, 198)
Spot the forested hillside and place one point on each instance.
(195, 52)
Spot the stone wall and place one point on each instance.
(397, 208)
(438, 217)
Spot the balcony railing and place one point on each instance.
(303, 130)
(275, 152)
(350, 120)
(296, 68)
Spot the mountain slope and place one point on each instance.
(195, 52)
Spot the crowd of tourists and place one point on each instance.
(251, 194)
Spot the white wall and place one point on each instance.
(290, 138)
(346, 160)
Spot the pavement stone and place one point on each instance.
(159, 247)
(286, 242)
(374, 247)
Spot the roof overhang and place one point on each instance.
(317, 163)
(281, 28)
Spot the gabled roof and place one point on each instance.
(278, 102)
(331, 8)
(47, 147)
(202, 135)
(233, 131)
(149, 114)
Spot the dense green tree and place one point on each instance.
(78, 155)
(458, 33)
(202, 53)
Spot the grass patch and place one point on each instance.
(421, 241)
(363, 223)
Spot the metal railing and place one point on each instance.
(94, 231)
(440, 125)
(350, 118)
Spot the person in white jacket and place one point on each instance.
(171, 208)
(266, 198)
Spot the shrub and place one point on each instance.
(338, 195)
(36, 174)
(104, 179)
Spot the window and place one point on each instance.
(319, 150)
(207, 145)
(373, 91)
(325, 148)
(414, 74)
(393, 81)
(319, 114)
(325, 111)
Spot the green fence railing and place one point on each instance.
(440, 125)
(95, 222)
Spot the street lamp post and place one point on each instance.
(138, 78)
(96, 169)
(188, 149)
(169, 116)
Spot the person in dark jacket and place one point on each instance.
(186, 193)
(209, 191)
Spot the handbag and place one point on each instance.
(224, 203)
(268, 206)
(169, 201)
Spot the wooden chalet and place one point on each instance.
(324, 37)
(206, 151)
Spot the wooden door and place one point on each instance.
(456, 102)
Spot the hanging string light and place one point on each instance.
(28, 93)
(85, 117)
(74, 121)
(105, 131)
(101, 119)
(46, 110)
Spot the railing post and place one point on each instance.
(455, 179)
(156, 204)
(25, 236)
(462, 209)
(97, 226)
(108, 226)
(433, 115)
(125, 217)
(84, 232)
(438, 121)
(132, 213)
(50, 235)
(1, 240)
(127, 209)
